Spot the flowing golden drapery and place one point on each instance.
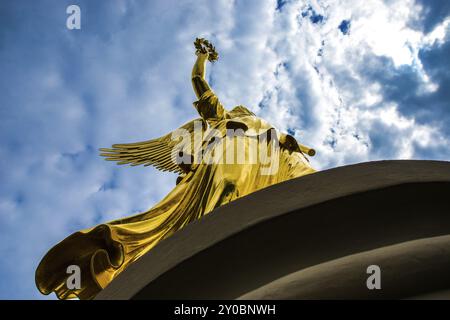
(102, 252)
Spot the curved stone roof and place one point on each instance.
(291, 233)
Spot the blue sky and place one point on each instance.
(357, 80)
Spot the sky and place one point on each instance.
(359, 80)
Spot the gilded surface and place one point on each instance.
(103, 251)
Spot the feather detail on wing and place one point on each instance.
(161, 152)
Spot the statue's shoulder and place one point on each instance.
(242, 118)
(240, 111)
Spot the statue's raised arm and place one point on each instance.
(208, 104)
(205, 51)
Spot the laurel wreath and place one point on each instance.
(204, 46)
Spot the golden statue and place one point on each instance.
(217, 168)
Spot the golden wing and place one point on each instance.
(160, 152)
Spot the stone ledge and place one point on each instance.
(291, 226)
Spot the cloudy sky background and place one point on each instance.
(357, 80)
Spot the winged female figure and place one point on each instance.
(103, 251)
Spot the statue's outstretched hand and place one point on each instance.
(204, 47)
(204, 55)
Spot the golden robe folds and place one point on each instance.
(104, 251)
